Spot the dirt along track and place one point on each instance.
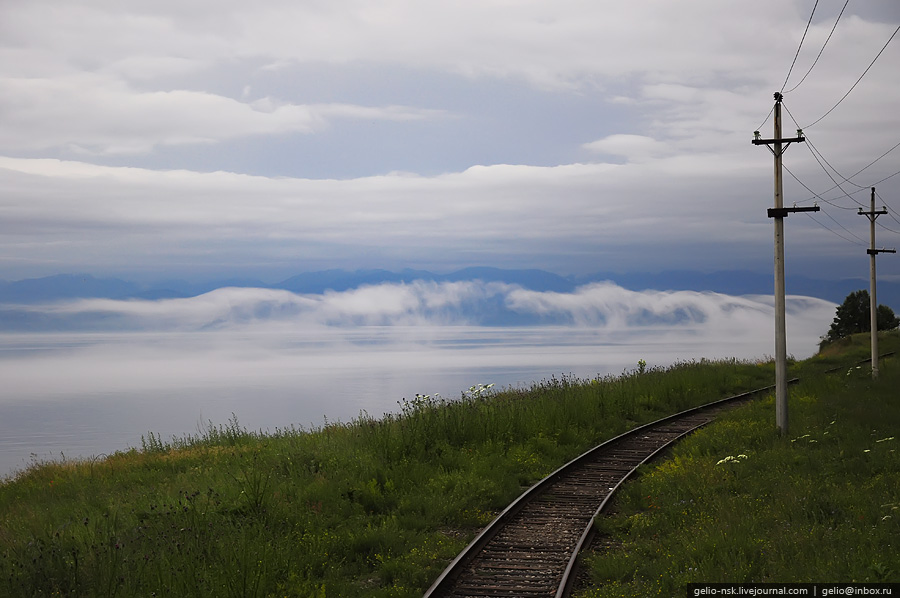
(529, 550)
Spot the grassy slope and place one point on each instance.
(371, 508)
(737, 502)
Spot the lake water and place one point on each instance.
(88, 394)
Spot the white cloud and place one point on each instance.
(634, 148)
(549, 44)
(95, 114)
(614, 308)
(603, 306)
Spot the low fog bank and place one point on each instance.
(603, 306)
(244, 336)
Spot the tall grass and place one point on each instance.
(372, 507)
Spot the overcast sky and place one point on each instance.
(205, 138)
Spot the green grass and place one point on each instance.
(367, 508)
(737, 502)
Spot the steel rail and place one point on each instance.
(445, 584)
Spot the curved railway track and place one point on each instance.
(529, 550)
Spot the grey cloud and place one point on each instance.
(134, 218)
(124, 84)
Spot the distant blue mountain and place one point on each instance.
(536, 280)
(65, 286)
(732, 282)
(343, 280)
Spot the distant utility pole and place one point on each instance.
(779, 213)
(873, 301)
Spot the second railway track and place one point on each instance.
(529, 550)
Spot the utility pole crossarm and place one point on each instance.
(759, 141)
(872, 212)
(783, 212)
(877, 251)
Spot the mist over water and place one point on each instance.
(273, 359)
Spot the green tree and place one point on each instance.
(852, 316)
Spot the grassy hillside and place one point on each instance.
(368, 508)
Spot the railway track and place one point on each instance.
(529, 550)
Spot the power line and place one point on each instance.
(834, 232)
(820, 51)
(805, 31)
(896, 232)
(857, 81)
(848, 179)
(845, 179)
(766, 119)
(816, 155)
(891, 211)
(875, 160)
(890, 176)
(817, 195)
(850, 232)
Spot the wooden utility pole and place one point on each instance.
(779, 213)
(872, 214)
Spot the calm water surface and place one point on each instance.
(81, 395)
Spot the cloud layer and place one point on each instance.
(223, 138)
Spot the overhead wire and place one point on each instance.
(817, 195)
(875, 160)
(880, 52)
(890, 176)
(817, 154)
(849, 232)
(834, 232)
(805, 31)
(836, 21)
(858, 172)
(824, 159)
(885, 204)
(819, 159)
(896, 232)
(794, 62)
(771, 110)
(858, 241)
